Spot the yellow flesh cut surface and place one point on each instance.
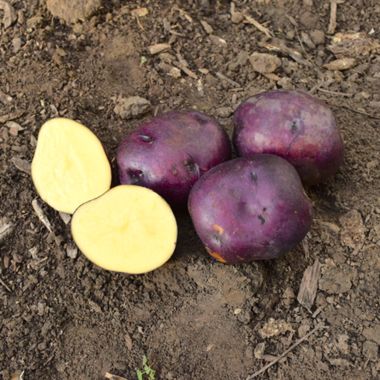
(69, 166)
(129, 229)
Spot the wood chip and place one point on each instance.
(340, 64)
(128, 341)
(187, 71)
(218, 40)
(250, 20)
(9, 14)
(278, 45)
(140, 12)
(6, 228)
(41, 215)
(21, 164)
(309, 285)
(158, 48)
(10, 116)
(207, 27)
(110, 376)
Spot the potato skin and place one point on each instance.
(292, 125)
(250, 209)
(170, 152)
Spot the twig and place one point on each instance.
(5, 286)
(357, 111)
(228, 80)
(41, 216)
(257, 25)
(335, 92)
(333, 8)
(292, 347)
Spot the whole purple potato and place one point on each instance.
(293, 125)
(250, 209)
(170, 152)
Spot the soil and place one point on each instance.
(63, 318)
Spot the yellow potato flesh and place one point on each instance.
(129, 229)
(69, 166)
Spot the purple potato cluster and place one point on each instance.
(250, 209)
(169, 153)
(292, 125)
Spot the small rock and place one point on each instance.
(133, 106)
(16, 44)
(72, 251)
(175, 72)
(318, 37)
(14, 128)
(341, 64)
(9, 14)
(274, 328)
(259, 350)
(373, 333)
(370, 350)
(288, 296)
(207, 27)
(303, 329)
(342, 343)
(72, 11)
(335, 281)
(352, 234)
(65, 217)
(264, 63)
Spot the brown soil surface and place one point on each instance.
(62, 318)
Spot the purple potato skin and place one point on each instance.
(250, 209)
(293, 125)
(170, 152)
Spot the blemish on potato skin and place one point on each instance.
(135, 175)
(217, 257)
(253, 177)
(262, 219)
(146, 138)
(218, 229)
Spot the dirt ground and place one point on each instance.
(63, 318)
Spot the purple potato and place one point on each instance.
(294, 126)
(250, 209)
(170, 152)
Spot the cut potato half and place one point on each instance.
(129, 229)
(69, 166)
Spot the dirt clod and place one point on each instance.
(72, 11)
(133, 106)
(264, 63)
